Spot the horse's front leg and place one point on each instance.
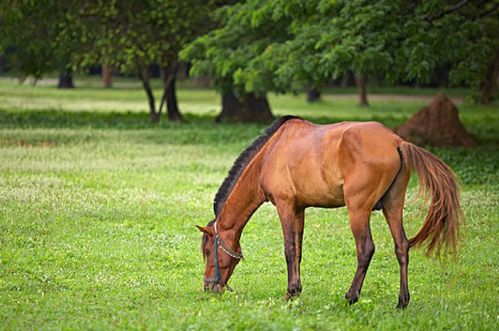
(292, 226)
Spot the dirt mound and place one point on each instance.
(437, 124)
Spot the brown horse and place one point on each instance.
(363, 166)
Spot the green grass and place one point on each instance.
(98, 207)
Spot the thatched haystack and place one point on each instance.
(437, 124)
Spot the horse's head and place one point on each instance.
(220, 259)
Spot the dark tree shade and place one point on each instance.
(34, 33)
(245, 108)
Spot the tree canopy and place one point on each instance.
(133, 35)
(283, 45)
(32, 30)
(128, 35)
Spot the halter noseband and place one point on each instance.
(220, 244)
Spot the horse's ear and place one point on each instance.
(203, 229)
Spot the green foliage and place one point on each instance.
(32, 33)
(284, 45)
(132, 35)
(98, 207)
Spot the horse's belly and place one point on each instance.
(320, 196)
(317, 179)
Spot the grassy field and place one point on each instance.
(98, 207)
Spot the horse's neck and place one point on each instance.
(244, 199)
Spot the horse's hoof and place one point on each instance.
(403, 302)
(352, 298)
(292, 295)
(401, 305)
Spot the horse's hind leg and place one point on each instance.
(393, 206)
(359, 222)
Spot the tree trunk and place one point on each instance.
(66, 79)
(154, 117)
(313, 95)
(360, 80)
(345, 79)
(146, 84)
(174, 114)
(489, 84)
(248, 108)
(169, 78)
(107, 76)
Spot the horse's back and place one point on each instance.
(310, 164)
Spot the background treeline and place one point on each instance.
(250, 48)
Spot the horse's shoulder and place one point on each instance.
(297, 123)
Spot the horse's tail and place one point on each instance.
(441, 227)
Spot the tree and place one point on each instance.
(244, 108)
(133, 35)
(32, 30)
(283, 45)
(129, 35)
(221, 54)
(107, 76)
(313, 95)
(360, 81)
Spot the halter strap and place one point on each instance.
(219, 243)
(218, 276)
(227, 250)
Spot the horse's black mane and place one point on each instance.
(243, 159)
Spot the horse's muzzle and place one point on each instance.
(213, 288)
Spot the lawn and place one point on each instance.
(98, 211)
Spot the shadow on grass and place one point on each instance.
(484, 130)
(60, 119)
(198, 129)
(72, 120)
(136, 128)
